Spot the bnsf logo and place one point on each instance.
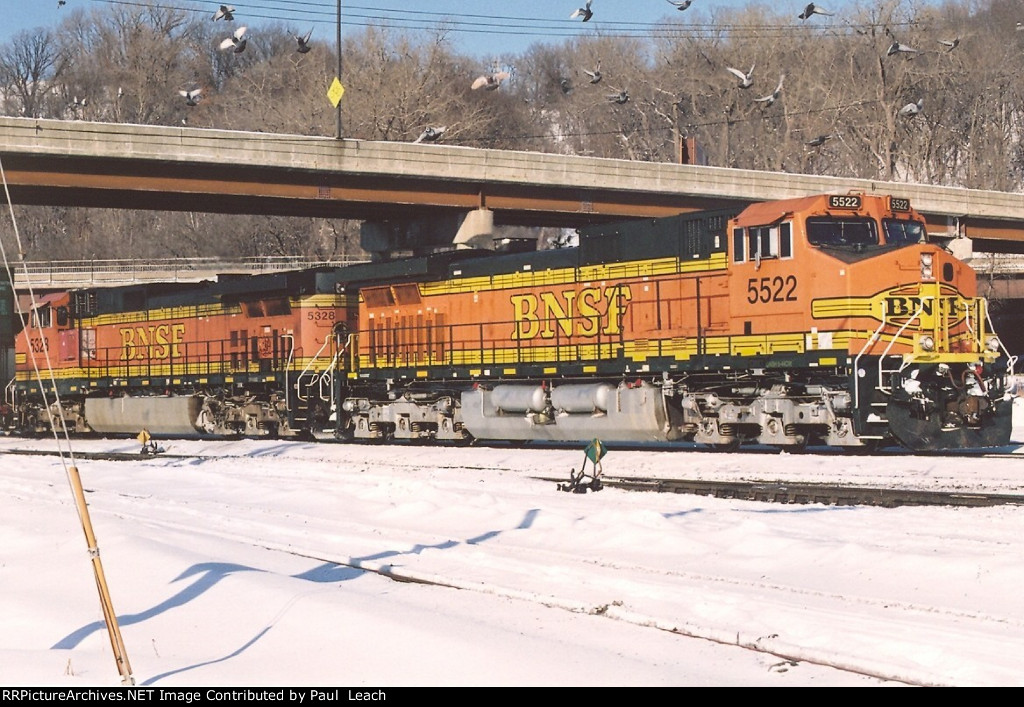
(925, 307)
(152, 342)
(587, 312)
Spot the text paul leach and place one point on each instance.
(145, 694)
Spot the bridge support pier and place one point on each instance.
(382, 239)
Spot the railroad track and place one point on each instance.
(803, 493)
(762, 491)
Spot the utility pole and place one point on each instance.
(676, 135)
(338, 45)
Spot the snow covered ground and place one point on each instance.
(274, 564)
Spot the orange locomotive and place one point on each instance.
(827, 319)
(821, 320)
(249, 356)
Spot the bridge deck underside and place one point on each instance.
(75, 163)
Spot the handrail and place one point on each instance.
(308, 366)
(892, 342)
(856, 361)
(1011, 361)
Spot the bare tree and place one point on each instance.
(30, 65)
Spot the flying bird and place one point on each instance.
(595, 75)
(812, 9)
(619, 98)
(565, 85)
(61, 3)
(236, 41)
(818, 141)
(585, 12)
(950, 44)
(896, 48)
(226, 12)
(191, 97)
(490, 82)
(431, 134)
(774, 95)
(746, 79)
(681, 5)
(303, 42)
(912, 109)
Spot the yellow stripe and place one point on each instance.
(678, 348)
(212, 309)
(561, 276)
(139, 370)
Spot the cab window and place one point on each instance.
(841, 232)
(902, 231)
(41, 317)
(762, 242)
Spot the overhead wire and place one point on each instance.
(410, 19)
(420, 20)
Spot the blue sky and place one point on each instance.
(481, 28)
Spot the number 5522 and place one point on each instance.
(771, 289)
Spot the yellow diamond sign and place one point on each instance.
(335, 92)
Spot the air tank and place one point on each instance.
(583, 398)
(519, 398)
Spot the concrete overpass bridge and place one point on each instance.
(423, 192)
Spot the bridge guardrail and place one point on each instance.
(997, 263)
(69, 273)
(79, 273)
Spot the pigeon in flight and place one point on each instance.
(595, 75)
(619, 98)
(912, 109)
(191, 97)
(950, 44)
(566, 85)
(490, 82)
(774, 95)
(61, 3)
(812, 9)
(818, 141)
(681, 5)
(430, 135)
(303, 42)
(585, 12)
(746, 79)
(236, 41)
(896, 48)
(226, 12)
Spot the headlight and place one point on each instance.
(926, 266)
(993, 344)
(927, 343)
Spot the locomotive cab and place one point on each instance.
(886, 308)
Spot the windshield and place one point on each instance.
(902, 232)
(842, 232)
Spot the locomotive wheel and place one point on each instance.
(798, 448)
(929, 434)
(871, 446)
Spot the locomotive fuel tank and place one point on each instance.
(161, 415)
(628, 413)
